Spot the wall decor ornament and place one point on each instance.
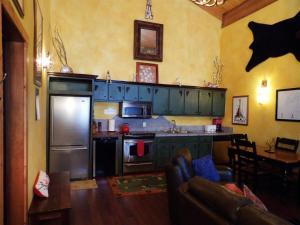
(148, 12)
(274, 40)
(146, 72)
(60, 49)
(240, 110)
(20, 7)
(148, 41)
(217, 74)
(38, 43)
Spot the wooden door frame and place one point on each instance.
(10, 12)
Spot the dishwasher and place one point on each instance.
(104, 157)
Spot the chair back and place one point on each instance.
(246, 151)
(235, 137)
(287, 144)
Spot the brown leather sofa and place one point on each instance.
(196, 201)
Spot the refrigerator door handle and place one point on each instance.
(68, 148)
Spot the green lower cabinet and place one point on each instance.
(162, 155)
(168, 147)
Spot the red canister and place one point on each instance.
(125, 128)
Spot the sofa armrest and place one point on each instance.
(225, 173)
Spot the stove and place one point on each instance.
(138, 152)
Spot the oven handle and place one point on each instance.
(134, 141)
(138, 164)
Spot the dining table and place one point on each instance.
(284, 160)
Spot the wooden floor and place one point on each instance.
(101, 207)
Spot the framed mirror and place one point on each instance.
(148, 41)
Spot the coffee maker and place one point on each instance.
(218, 123)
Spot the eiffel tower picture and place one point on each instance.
(240, 110)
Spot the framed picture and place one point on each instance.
(148, 41)
(38, 44)
(20, 6)
(240, 110)
(37, 104)
(288, 105)
(146, 72)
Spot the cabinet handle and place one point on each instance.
(187, 93)
(149, 90)
(119, 88)
(209, 94)
(127, 89)
(156, 90)
(96, 87)
(180, 92)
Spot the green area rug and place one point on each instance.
(138, 184)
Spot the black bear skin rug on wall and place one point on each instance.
(274, 40)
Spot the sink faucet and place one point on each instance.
(173, 129)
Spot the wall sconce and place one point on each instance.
(46, 61)
(263, 92)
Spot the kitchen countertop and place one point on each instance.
(107, 134)
(116, 134)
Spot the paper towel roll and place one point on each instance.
(111, 125)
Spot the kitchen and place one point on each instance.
(132, 126)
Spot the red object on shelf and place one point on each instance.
(125, 128)
(218, 123)
(140, 148)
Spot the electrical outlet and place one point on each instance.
(144, 124)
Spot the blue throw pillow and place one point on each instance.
(204, 167)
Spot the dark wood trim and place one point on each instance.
(73, 75)
(1, 131)
(8, 8)
(243, 10)
(19, 7)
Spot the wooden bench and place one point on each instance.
(56, 208)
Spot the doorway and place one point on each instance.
(13, 184)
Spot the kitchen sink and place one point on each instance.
(177, 132)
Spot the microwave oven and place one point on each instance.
(135, 109)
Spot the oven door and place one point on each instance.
(130, 154)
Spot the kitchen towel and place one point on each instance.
(140, 148)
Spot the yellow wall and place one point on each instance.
(36, 129)
(281, 72)
(98, 36)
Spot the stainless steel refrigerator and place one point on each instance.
(70, 135)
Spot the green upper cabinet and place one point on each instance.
(160, 101)
(100, 91)
(205, 102)
(131, 92)
(145, 93)
(218, 103)
(191, 102)
(116, 92)
(176, 101)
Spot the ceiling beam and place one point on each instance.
(243, 10)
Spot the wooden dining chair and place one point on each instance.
(248, 164)
(232, 150)
(287, 144)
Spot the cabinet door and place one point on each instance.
(205, 102)
(191, 105)
(205, 148)
(162, 155)
(100, 91)
(218, 106)
(161, 101)
(131, 92)
(176, 102)
(193, 147)
(145, 93)
(116, 92)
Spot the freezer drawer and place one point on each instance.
(74, 160)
